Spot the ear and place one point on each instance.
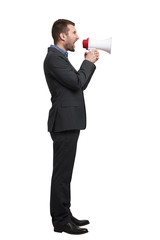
(62, 36)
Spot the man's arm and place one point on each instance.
(66, 75)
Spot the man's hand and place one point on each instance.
(92, 56)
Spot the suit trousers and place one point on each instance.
(64, 152)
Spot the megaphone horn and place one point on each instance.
(104, 45)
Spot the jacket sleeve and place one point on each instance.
(66, 75)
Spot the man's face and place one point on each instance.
(71, 38)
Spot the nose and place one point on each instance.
(77, 37)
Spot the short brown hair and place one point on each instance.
(60, 26)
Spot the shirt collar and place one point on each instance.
(61, 50)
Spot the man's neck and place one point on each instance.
(61, 50)
(61, 46)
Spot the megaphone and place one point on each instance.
(104, 45)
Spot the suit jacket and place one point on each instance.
(66, 86)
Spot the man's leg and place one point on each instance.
(64, 147)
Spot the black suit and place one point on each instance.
(66, 117)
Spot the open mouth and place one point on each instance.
(74, 45)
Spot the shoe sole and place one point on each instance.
(61, 231)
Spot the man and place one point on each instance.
(66, 118)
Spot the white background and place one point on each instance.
(116, 180)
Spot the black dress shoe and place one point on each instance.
(70, 228)
(79, 222)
